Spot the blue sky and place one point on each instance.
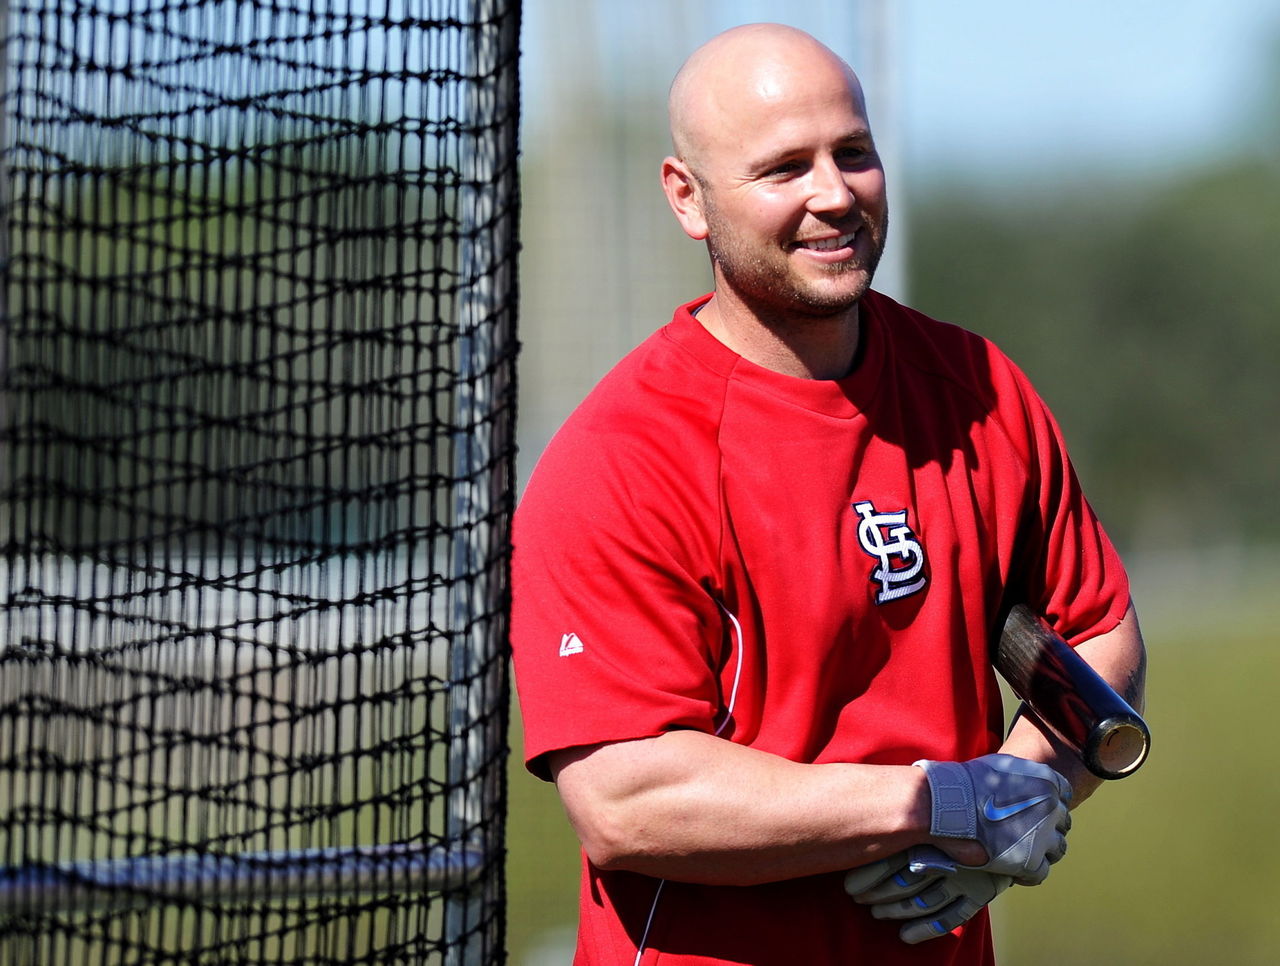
(1003, 87)
(1129, 84)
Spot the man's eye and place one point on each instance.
(853, 156)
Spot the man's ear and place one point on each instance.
(684, 195)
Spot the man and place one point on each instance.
(756, 574)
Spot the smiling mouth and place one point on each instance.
(827, 244)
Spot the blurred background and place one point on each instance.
(1094, 185)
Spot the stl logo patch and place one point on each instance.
(887, 537)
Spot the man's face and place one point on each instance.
(793, 194)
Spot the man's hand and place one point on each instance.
(1014, 808)
(931, 903)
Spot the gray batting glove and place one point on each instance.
(1016, 809)
(931, 903)
(888, 879)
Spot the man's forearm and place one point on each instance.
(689, 806)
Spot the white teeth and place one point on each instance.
(828, 244)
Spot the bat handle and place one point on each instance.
(1068, 695)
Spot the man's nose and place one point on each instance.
(830, 191)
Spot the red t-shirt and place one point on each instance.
(813, 568)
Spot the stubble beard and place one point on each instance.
(767, 281)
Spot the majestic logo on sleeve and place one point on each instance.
(887, 537)
(570, 644)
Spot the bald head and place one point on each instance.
(738, 72)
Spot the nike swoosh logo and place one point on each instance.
(998, 813)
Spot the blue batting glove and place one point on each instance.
(1014, 808)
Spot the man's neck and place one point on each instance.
(808, 347)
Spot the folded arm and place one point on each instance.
(689, 806)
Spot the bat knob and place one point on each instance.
(1117, 746)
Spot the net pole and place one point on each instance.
(488, 176)
(4, 259)
(95, 885)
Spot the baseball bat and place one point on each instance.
(1070, 697)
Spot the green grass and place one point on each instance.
(1175, 865)
(542, 861)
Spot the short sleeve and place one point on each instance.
(614, 633)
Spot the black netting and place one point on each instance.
(257, 474)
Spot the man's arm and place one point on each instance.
(1120, 657)
(689, 806)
